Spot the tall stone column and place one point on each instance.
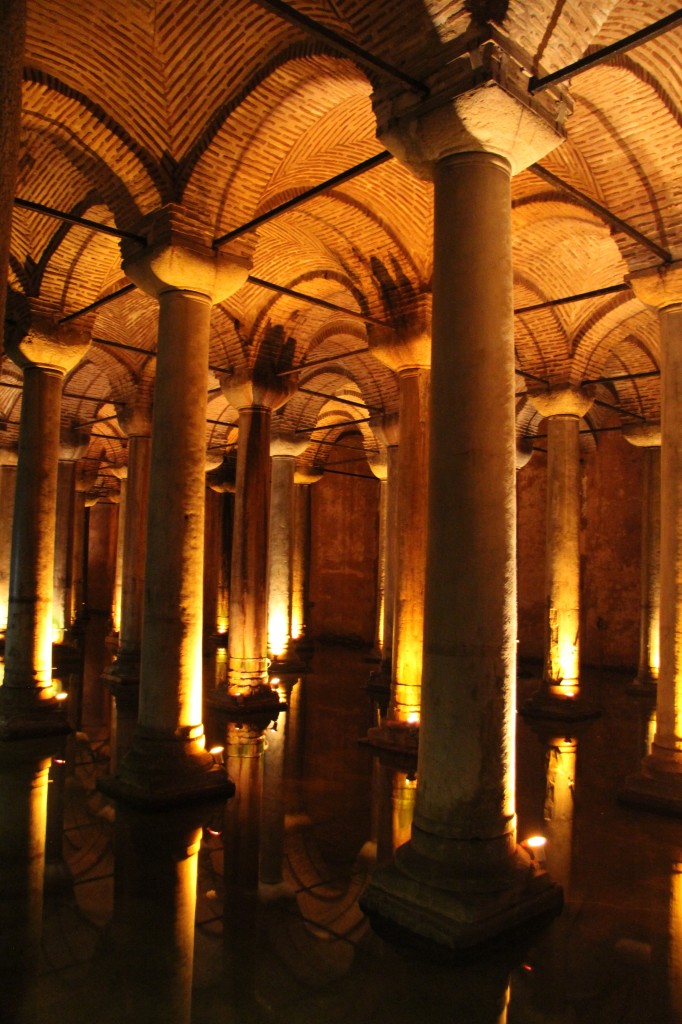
(658, 785)
(388, 432)
(73, 444)
(407, 350)
(255, 396)
(559, 696)
(300, 570)
(648, 437)
(462, 878)
(283, 453)
(86, 475)
(8, 482)
(167, 761)
(28, 703)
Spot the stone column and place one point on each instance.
(300, 569)
(121, 474)
(462, 878)
(8, 482)
(563, 407)
(407, 351)
(283, 452)
(73, 444)
(12, 39)
(167, 761)
(85, 479)
(28, 703)
(648, 436)
(658, 785)
(387, 431)
(255, 397)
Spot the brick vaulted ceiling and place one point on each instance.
(224, 107)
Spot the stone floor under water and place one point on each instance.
(277, 935)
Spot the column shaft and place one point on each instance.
(392, 473)
(28, 645)
(119, 570)
(134, 551)
(647, 673)
(667, 743)
(170, 690)
(8, 481)
(280, 555)
(562, 646)
(408, 626)
(212, 561)
(300, 561)
(248, 663)
(12, 38)
(468, 698)
(63, 560)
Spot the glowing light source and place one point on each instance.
(62, 696)
(278, 631)
(535, 846)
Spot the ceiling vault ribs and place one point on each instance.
(303, 197)
(72, 218)
(657, 28)
(601, 211)
(339, 43)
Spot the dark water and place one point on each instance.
(249, 912)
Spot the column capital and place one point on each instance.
(8, 457)
(524, 451)
(47, 344)
(249, 388)
(643, 435)
(308, 476)
(659, 287)
(73, 442)
(287, 445)
(563, 400)
(179, 257)
(135, 417)
(386, 429)
(478, 102)
(406, 345)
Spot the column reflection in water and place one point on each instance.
(393, 803)
(24, 767)
(154, 910)
(272, 883)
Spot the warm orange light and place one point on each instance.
(536, 842)
(62, 696)
(278, 631)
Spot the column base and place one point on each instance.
(412, 910)
(66, 656)
(255, 700)
(657, 787)
(401, 737)
(26, 718)
(544, 704)
(643, 685)
(162, 772)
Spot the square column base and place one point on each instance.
(394, 736)
(157, 793)
(561, 709)
(661, 792)
(255, 701)
(413, 912)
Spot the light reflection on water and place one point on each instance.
(248, 911)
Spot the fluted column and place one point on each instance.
(167, 761)
(255, 396)
(283, 453)
(73, 444)
(648, 436)
(28, 704)
(462, 877)
(563, 407)
(658, 785)
(8, 482)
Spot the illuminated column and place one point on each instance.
(658, 785)
(385, 468)
(121, 473)
(28, 704)
(255, 397)
(283, 452)
(73, 444)
(462, 877)
(167, 760)
(300, 567)
(648, 436)
(123, 676)
(563, 407)
(85, 479)
(408, 352)
(8, 481)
